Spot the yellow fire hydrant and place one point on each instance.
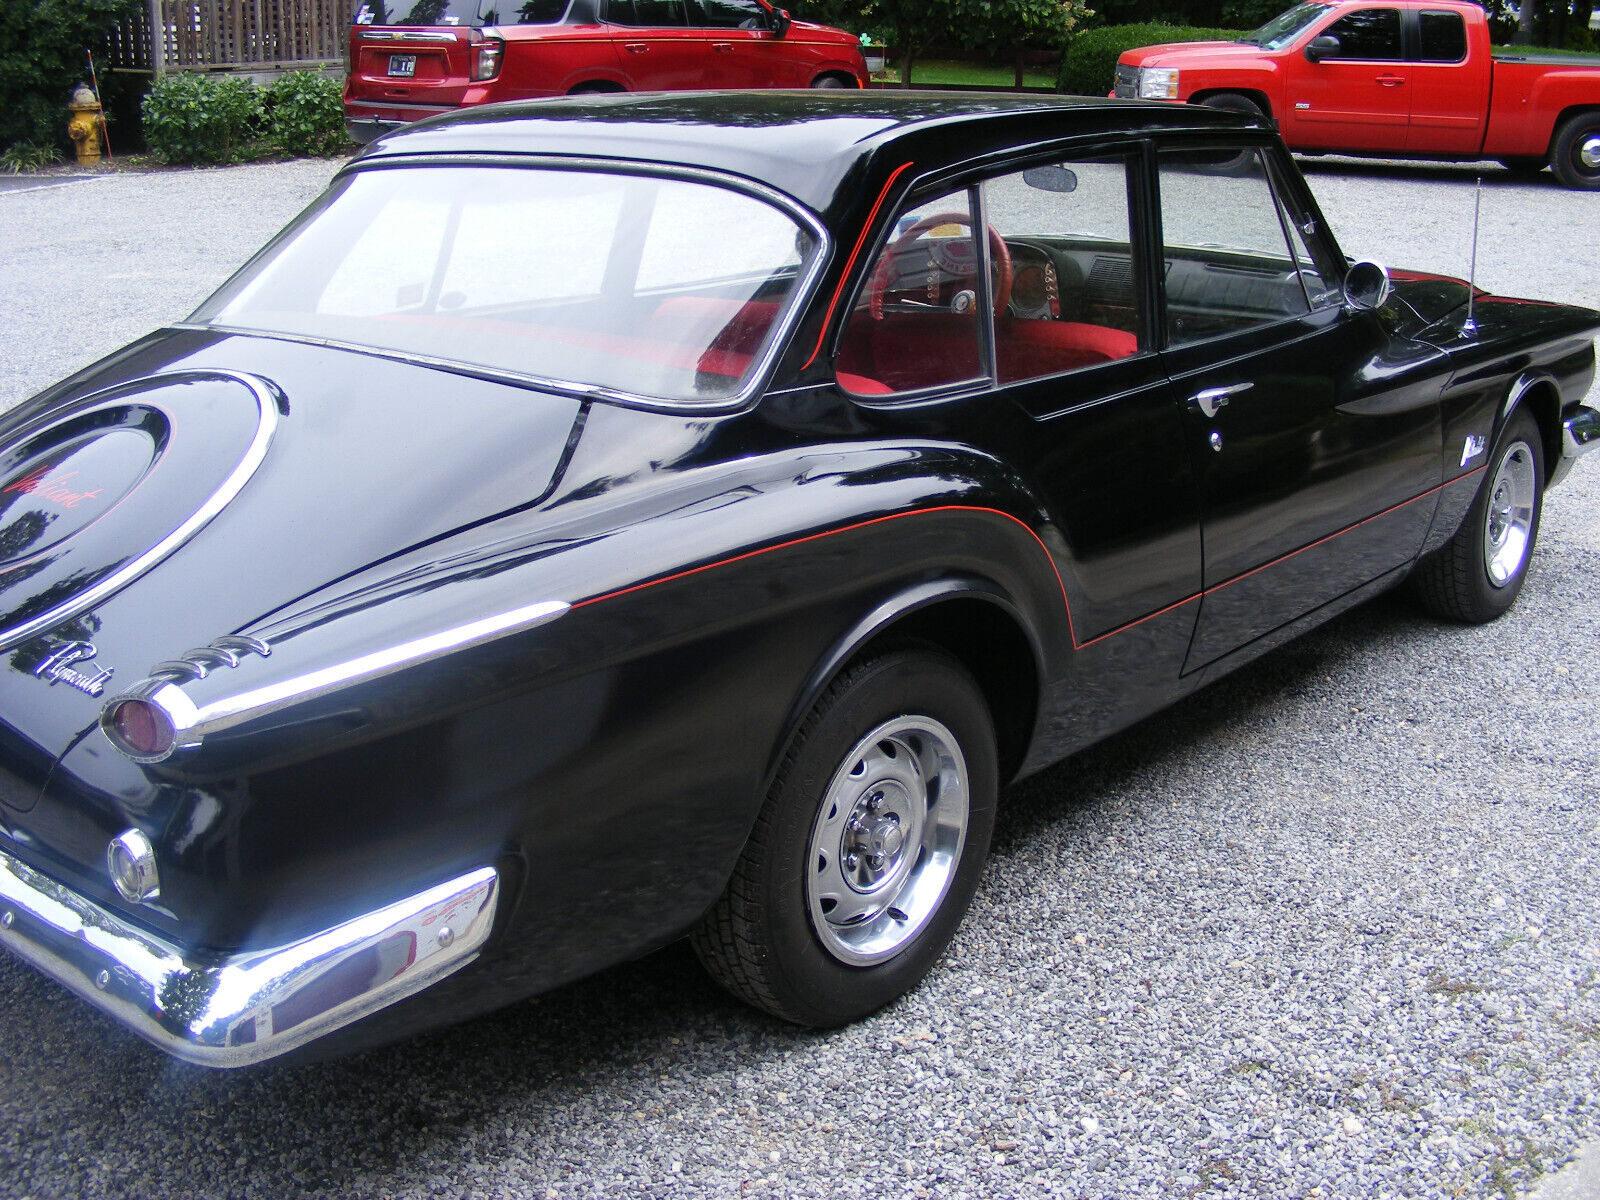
(84, 127)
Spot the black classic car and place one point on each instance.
(600, 521)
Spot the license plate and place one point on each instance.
(404, 65)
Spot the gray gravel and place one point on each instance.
(1330, 928)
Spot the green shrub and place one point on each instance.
(42, 59)
(194, 118)
(1089, 67)
(305, 114)
(25, 156)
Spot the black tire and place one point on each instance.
(767, 940)
(1478, 574)
(1575, 153)
(829, 81)
(1234, 164)
(599, 87)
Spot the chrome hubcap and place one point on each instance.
(1589, 152)
(1509, 519)
(887, 839)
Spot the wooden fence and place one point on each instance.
(178, 35)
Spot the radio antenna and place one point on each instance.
(1470, 327)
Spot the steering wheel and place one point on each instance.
(884, 273)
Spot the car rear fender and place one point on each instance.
(970, 618)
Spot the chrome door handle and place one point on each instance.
(1209, 401)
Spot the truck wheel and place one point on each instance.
(1575, 156)
(1234, 164)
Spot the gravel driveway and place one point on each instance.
(1330, 928)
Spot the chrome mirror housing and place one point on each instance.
(1366, 285)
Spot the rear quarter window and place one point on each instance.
(461, 13)
(1444, 37)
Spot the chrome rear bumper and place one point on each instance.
(249, 1007)
(1580, 433)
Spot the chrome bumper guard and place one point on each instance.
(1580, 433)
(252, 1006)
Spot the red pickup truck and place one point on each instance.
(1400, 79)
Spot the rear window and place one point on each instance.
(665, 289)
(473, 13)
(1444, 37)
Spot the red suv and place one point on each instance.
(423, 57)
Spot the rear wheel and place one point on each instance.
(831, 81)
(1575, 154)
(1478, 574)
(868, 848)
(595, 88)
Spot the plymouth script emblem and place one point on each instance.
(58, 668)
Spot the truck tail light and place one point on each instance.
(486, 58)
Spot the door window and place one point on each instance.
(646, 14)
(915, 324)
(1072, 303)
(1226, 255)
(1368, 34)
(727, 14)
(1444, 37)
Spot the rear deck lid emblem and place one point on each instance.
(59, 666)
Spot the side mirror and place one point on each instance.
(781, 22)
(1322, 47)
(1366, 286)
(1051, 179)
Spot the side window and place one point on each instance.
(1368, 34)
(645, 14)
(1073, 301)
(915, 322)
(1226, 256)
(727, 14)
(1444, 37)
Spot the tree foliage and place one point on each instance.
(42, 58)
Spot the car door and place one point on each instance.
(1357, 97)
(1047, 362)
(1449, 95)
(655, 47)
(741, 51)
(1316, 435)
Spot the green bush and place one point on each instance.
(1089, 67)
(305, 114)
(42, 59)
(194, 118)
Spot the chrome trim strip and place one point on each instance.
(249, 1007)
(193, 723)
(1580, 433)
(266, 426)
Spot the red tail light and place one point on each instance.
(486, 58)
(139, 729)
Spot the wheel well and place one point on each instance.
(848, 81)
(1259, 99)
(992, 647)
(594, 87)
(1565, 115)
(1542, 399)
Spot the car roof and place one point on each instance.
(808, 144)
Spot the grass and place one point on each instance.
(1514, 51)
(934, 71)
